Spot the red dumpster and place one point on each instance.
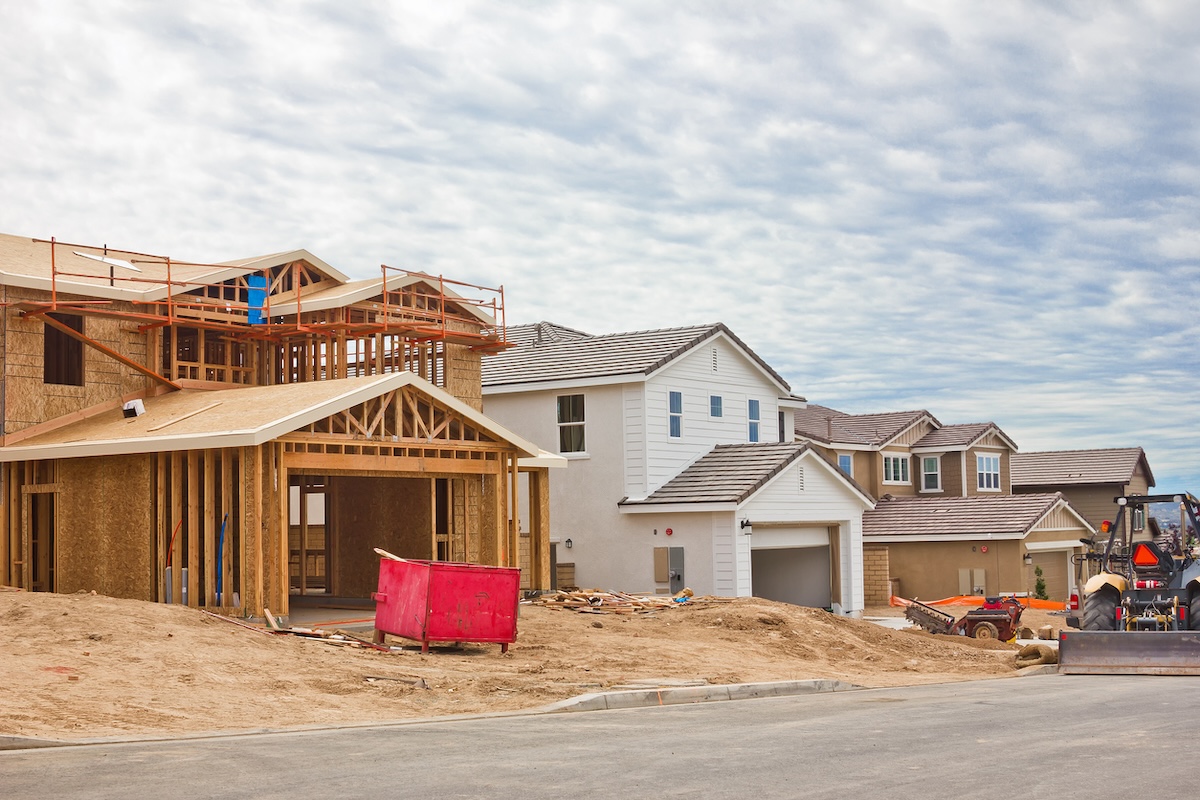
(440, 601)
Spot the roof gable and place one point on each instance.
(964, 437)
(832, 427)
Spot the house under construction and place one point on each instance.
(236, 436)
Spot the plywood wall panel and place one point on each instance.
(106, 526)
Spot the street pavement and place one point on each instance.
(1059, 736)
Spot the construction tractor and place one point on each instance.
(1141, 611)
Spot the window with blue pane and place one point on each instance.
(714, 405)
(753, 412)
(675, 415)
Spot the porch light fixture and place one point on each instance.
(1029, 559)
(746, 526)
(569, 544)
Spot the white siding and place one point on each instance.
(736, 381)
(726, 564)
(634, 405)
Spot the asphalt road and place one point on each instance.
(1059, 736)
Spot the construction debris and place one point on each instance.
(596, 601)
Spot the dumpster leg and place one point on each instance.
(424, 645)
(503, 648)
(379, 635)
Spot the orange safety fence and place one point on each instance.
(976, 600)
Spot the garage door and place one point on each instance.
(797, 575)
(1055, 570)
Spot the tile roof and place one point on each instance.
(958, 435)
(828, 426)
(923, 518)
(729, 473)
(573, 355)
(1073, 467)
(543, 333)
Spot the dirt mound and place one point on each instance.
(82, 665)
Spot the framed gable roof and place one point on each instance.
(1079, 467)
(192, 419)
(567, 357)
(31, 263)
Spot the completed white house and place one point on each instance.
(682, 469)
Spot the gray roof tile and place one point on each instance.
(828, 426)
(932, 517)
(566, 354)
(729, 473)
(1075, 467)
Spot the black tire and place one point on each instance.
(986, 630)
(1194, 609)
(1100, 611)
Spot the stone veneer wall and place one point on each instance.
(877, 585)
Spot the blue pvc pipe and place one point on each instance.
(221, 560)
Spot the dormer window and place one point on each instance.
(987, 468)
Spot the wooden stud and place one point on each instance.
(195, 530)
(211, 522)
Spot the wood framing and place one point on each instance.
(258, 387)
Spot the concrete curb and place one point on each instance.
(598, 701)
(669, 696)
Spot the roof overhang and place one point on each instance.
(113, 434)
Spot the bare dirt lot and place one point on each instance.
(85, 666)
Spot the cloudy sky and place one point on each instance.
(986, 210)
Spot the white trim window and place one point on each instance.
(753, 413)
(895, 469)
(714, 405)
(846, 463)
(931, 474)
(987, 468)
(570, 424)
(675, 414)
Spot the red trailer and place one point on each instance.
(441, 601)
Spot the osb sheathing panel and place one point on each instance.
(394, 514)
(105, 527)
(28, 400)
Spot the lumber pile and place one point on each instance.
(596, 601)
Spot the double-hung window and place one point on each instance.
(675, 415)
(931, 474)
(714, 405)
(753, 414)
(895, 469)
(570, 424)
(988, 470)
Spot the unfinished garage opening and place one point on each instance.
(797, 575)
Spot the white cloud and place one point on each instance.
(986, 211)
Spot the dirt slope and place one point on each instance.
(81, 666)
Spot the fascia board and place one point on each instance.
(677, 508)
(954, 537)
(793, 402)
(1063, 544)
(68, 286)
(543, 460)
(566, 383)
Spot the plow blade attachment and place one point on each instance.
(1129, 652)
